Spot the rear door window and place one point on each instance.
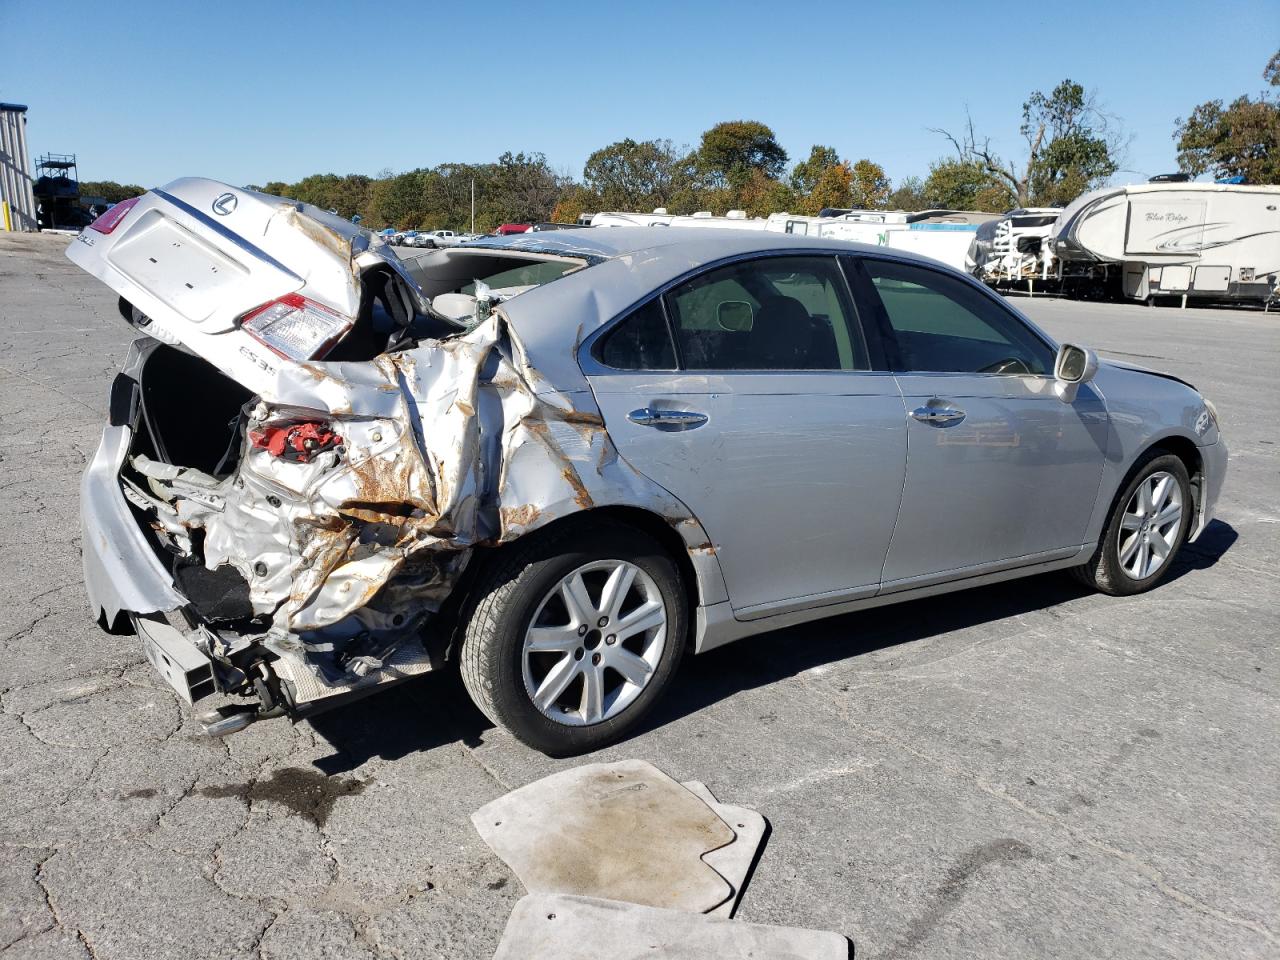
(775, 313)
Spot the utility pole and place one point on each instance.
(473, 204)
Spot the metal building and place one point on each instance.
(17, 201)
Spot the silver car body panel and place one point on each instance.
(121, 571)
(1016, 477)
(802, 439)
(483, 437)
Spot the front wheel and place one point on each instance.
(575, 635)
(1148, 525)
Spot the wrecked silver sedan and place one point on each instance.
(563, 459)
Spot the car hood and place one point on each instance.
(1137, 368)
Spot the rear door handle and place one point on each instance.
(649, 417)
(938, 416)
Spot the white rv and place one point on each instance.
(945, 235)
(1211, 241)
(733, 220)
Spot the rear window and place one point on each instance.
(526, 275)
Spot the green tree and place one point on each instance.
(631, 175)
(760, 195)
(806, 174)
(1069, 149)
(1072, 145)
(1240, 140)
(109, 190)
(833, 188)
(731, 150)
(908, 196)
(397, 201)
(574, 201)
(964, 185)
(870, 186)
(520, 188)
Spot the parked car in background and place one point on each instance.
(507, 229)
(564, 460)
(433, 239)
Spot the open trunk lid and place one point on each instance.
(196, 256)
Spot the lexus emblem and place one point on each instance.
(224, 204)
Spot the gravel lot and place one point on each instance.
(1020, 771)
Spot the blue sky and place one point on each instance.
(248, 92)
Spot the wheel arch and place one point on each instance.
(697, 563)
(1186, 450)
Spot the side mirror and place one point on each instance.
(1074, 366)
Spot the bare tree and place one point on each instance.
(1072, 144)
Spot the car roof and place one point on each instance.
(627, 265)
(606, 243)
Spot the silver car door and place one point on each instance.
(767, 424)
(1000, 470)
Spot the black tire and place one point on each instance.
(1103, 572)
(508, 594)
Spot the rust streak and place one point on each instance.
(580, 495)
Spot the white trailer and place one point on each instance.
(734, 220)
(1207, 241)
(944, 235)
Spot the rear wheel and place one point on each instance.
(1149, 523)
(574, 636)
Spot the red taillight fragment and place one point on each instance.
(295, 442)
(296, 328)
(111, 219)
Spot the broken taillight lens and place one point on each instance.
(111, 219)
(296, 328)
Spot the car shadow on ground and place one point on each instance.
(435, 710)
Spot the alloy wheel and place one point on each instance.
(1150, 525)
(594, 643)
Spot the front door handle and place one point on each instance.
(684, 419)
(938, 416)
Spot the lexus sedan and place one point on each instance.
(563, 459)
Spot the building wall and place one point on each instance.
(15, 168)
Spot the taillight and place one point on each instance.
(296, 328)
(111, 219)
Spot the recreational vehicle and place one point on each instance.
(944, 235)
(1206, 241)
(733, 220)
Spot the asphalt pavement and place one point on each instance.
(1023, 770)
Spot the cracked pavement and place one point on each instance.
(1020, 770)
